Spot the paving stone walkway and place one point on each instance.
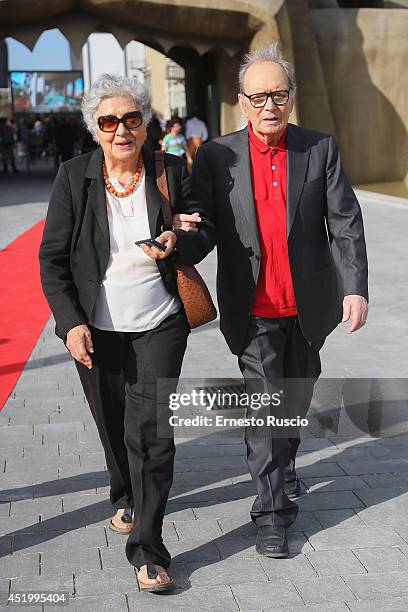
(349, 546)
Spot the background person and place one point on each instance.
(8, 139)
(116, 306)
(66, 135)
(154, 133)
(175, 142)
(196, 134)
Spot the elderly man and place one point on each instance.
(291, 263)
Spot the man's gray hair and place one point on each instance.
(108, 86)
(271, 53)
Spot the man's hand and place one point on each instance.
(356, 308)
(188, 223)
(79, 344)
(167, 238)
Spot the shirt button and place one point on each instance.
(273, 167)
(275, 184)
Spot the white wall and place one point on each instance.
(102, 53)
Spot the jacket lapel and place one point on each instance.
(297, 161)
(96, 193)
(241, 175)
(153, 197)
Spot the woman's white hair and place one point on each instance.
(271, 53)
(108, 86)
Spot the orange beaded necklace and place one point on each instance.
(130, 187)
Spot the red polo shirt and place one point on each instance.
(274, 296)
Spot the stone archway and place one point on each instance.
(328, 44)
(206, 37)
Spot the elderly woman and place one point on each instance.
(116, 305)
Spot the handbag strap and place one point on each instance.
(161, 180)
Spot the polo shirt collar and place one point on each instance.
(261, 146)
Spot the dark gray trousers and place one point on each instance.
(276, 351)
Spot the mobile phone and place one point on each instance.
(152, 242)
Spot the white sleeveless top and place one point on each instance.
(132, 296)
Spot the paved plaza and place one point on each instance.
(349, 545)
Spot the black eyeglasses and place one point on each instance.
(259, 100)
(110, 123)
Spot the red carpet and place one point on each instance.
(23, 308)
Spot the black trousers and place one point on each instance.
(121, 389)
(276, 350)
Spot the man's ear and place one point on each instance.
(242, 105)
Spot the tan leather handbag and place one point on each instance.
(192, 289)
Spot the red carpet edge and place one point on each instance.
(23, 308)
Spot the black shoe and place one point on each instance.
(291, 482)
(272, 541)
(293, 488)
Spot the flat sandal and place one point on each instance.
(125, 518)
(152, 573)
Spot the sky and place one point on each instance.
(50, 53)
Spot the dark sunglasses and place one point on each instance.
(110, 123)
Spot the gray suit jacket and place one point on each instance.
(325, 234)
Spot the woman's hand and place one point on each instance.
(167, 238)
(79, 344)
(188, 223)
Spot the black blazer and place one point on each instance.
(74, 251)
(325, 235)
